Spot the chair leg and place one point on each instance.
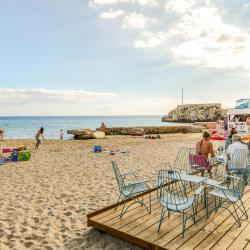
(245, 212)
(117, 203)
(161, 218)
(194, 213)
(206, 204)
(123, 208)
(149, 194)
(217, 206)
(184, 219)
(237, 216)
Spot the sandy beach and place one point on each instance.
(44, 202)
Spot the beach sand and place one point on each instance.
(44, 202)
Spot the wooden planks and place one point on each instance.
(137, 226)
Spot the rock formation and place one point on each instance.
(134, 131)
(196, 113)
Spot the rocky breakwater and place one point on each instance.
(209, 112)
(139, 131)
(132, 131)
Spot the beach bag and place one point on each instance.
(97, 149)
(14, 156)
(24, 155)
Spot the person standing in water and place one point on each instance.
(39, 134)
(61, 135)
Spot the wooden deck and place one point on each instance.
(219, 231)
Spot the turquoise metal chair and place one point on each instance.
(173, 197)
(231, 193)
(129, 190)
(182, 161)
(239, 164)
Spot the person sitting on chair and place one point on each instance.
(237, 162)
(103, 126)
(205, 147)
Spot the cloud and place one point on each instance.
(50, 102)
(150, 40)
(180, 6)
(185, 32)
(94, 3)
(151, 3)
(111, 14)
(136, 20)
(79, 102)
(60, 95)
(210, 42)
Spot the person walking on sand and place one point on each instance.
(39, 134)
(61, 135)
(1, 133)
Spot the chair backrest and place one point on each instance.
(118, 176)
(172, 188)
(240, 158)
(182, 161)
(198, 162)
(238, 184)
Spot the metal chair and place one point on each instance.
(173, 197)
(181, 161)
(232, 194)
(239, 163)
(130, 190)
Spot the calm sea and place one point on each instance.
(26, 127)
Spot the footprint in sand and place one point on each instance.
(28, 244)
(68, 213)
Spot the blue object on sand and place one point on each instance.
(97, 149)
(14, 156)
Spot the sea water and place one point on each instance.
(20, 127)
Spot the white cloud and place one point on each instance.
(210, 42)
(195, 34)
(50, 102)
(111, 14)
(79, 102)
(137, 21)
(180, 6)
(150, 40)
(94, 3)
(150, 3)
(61, 95)
(153, 3)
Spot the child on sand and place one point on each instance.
(38, 135)
(1, 133)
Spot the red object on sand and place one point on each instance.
(217, 138)
(9, 150)
(219, 135)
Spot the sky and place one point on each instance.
(121, 57)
